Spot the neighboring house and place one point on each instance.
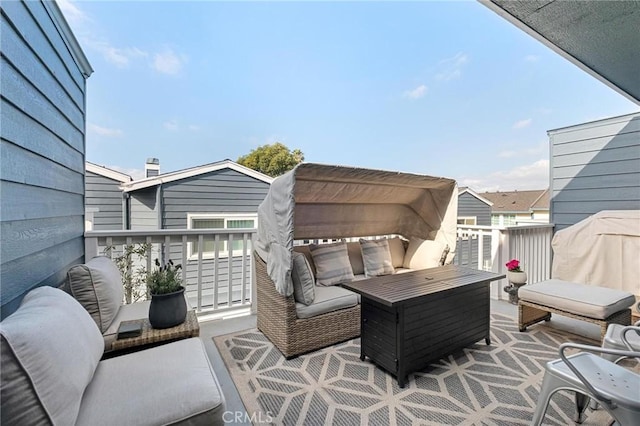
(473, 210)
(42, 140)
(595, 166)
(105, 203)
(221, 195)
(518, 207)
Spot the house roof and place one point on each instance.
(463, 190)
(194, 171)
(600, 37)
(106, 172)
(542, 203)
(517, 201)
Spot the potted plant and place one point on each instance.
(168, 306)
(515, 275)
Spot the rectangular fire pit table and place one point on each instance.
(411, 319)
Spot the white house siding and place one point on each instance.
(470, 206)
(42, 106)
(104, 194)
(594, 166)
(223, 191)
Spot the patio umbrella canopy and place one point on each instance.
(326, 201)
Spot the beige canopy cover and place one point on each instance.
(602, 250)
(323, 201)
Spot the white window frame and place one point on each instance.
(474, 219)
(192, 255)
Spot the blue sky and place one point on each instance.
(439, 88)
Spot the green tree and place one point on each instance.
(272, 160)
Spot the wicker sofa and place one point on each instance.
(284, 322)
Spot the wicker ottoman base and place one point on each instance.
(531, 313)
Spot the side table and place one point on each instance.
(150, 335)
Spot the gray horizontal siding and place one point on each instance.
(595, 167)
(222, 191)
(41, 153)
(104, 194)
(143, 209)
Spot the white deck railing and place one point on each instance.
(216, 282)
(490, 248)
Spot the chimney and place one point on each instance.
(152, 167)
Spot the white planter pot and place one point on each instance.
(517, 277)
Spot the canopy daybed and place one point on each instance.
(316, 201)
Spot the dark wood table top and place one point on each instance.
(394, 289)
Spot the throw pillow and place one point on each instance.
(355, 257)
(423, 254)
(332, 263)
(98, 287)
(303, 280)
(376, 257)
(396, 247)
(50, 350)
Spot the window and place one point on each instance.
(216, 221)
(467, 220)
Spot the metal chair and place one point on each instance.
(614, 387)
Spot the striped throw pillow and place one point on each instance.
(376, 257)
(332, 263)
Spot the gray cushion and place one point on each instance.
(376, 257)
(581, 299)
(328, 299)
(169, 384)
(97, 285)
(303, 280)
(57, 346)
(307, 253)
(355, 257)
(332, 263)
(396, 247)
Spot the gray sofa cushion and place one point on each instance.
(139, 389)
(57, 346)
(97, 285)
(396, 247)
(303, 280)
(586, 300)
(328, 299)
(355, 257)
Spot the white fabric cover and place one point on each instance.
(323, 201)
(58, 345)
(589, 301)
(303, 280)
(423, 254)
(602, 250)
(328, 299)
(376, 257)
(97, 285)
(168, 384)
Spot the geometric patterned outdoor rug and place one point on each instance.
(480, 385)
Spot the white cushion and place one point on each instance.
(423, 254)
(328, 299)
(332, 263)
(97, 285)
(169, 384)
(376, 257)
(303, 280)
(581, 299)
(58, 346)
